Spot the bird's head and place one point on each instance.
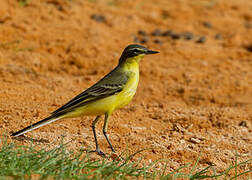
(134, 52)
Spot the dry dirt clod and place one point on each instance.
(142, 33)
(201, 40)
(167, 33)
(218, 36)
(244, 124)
(187, 35)
(249, 48)
(156, 32)
(207, 24)
(144, 40)
(175, 36)
(98, 18)
(194, 140)
(157, 41)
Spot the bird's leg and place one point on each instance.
(97, 149)
(105, 127)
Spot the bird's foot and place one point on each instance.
(99, 152)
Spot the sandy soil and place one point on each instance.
(194, 97)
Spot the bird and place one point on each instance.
(113, 91)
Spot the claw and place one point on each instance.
(99, 152)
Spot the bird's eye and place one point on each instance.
(136, 51)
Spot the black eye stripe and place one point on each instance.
(132, 52)
(136, 50)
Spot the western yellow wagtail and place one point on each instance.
(113, 91)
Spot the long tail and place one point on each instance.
(36, 125)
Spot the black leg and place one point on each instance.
(97, 149)
(105, 127)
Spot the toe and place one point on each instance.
(99, 152)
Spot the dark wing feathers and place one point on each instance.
(109, 85)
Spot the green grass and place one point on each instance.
(26, 162)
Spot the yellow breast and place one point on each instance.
(125, 96)
(116, 101)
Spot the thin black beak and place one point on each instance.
(151, 52)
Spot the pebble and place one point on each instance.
(207, 24)
(172, 34)
(201, 40)
(156, 32)
(98, 18)
(194, 140)
(187, 35)
(142, 33)
(249, 48)
(175, 36)
(157, 41)
(243, 123)
(167, 33)
(144, 40)
(218, 36)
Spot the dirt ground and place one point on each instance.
(194, 97)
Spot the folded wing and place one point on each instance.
(111, 84)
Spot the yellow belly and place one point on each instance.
(96, 108)
(111, 103)
(124, 97)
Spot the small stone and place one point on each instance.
(163, 137)
(218, 36)
(243, 123)
(4, 19)
(201, 40)
(207, 24)
(167, 33)
(142, 33)
(98, 18)
(249, 48)
(144, 40)
(181, 90)
(169, 146)
(157, 41)
(175, 36)
(187, 35)
(156, 32)
(194, 140)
